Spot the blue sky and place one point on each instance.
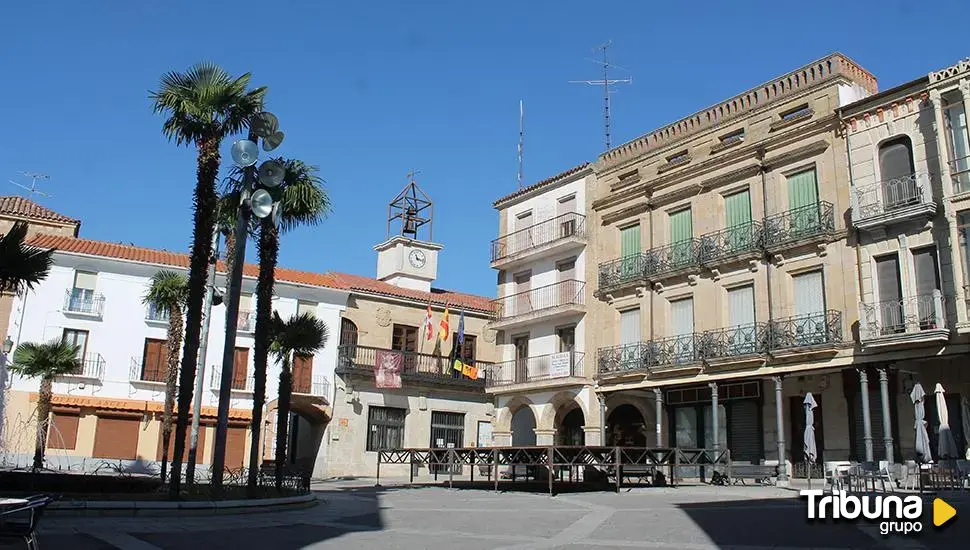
(370, 90)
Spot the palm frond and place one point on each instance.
(167, 290)
(303, 199)
(49, 359)
(22, 266)
(303, 335)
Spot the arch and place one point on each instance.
(348, 332)
(645, 418)
(559, 404)
(503, 416)
(523, 427)
(896, 168)
(626, 426)
(570, 428)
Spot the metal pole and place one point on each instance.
(200, 367)
(233, 289)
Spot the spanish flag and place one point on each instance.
(445, 330)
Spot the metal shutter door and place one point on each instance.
(116, 438)
(875, 419)
(744, 432)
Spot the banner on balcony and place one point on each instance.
(387, 369)
(560, 364)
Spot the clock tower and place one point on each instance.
(408, 258)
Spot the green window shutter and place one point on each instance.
(629, 241)
(681, 226)
(738, 208)
(802, 190)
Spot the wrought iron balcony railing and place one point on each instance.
(960, 174)
(885, 197)
(563, 226)
(83, 301)
(139, 372)
(157, 314)
(623, 271)
(733, 241)
(532, 369)
(799, 224)
(646, 356)
(563, 293)
(414, 365)
(246, 321)
(907, 316)
(673, 257)
(91, 368)
(238, 384)
(814, 329)
(736, 341)
(317, 386)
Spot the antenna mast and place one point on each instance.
(606, 82)
(33, 183)
(521, 139)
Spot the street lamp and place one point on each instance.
(7, 345)
(259, 197)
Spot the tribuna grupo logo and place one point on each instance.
(895, 514)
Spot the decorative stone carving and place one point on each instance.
(658, 287)
(779, 259)
(715, 274)
(383, 317)
(753, 265)
(692, 280)
(489, 336)
(823, 249)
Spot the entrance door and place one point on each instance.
(302, 374)
(796, 412)
(447, 428)
(521, 344)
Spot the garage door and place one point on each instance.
(116, 437)
(236, 447)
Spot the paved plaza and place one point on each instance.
(356, 515)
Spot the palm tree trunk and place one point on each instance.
(230, 237)
(269, 245)
(171, 381)
(205, 207)
(43, 415)
(282, 419)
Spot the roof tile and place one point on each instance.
(542, 183)
(19, 206)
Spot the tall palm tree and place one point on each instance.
(301, 336)
(167, 292)
(47, 361)
(303, 201)
(203, 106)
(21, 266)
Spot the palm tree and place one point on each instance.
(48, 361)
(303, 201)
(21, 266)
(203, 106)
(167, 292)
(301, 336)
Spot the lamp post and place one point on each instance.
(255, 199)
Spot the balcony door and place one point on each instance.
(681, 233)
(82, 295)
(809, 325)
(955, 117)
(521, 344)
(743, 334)
(568, 287)
(896, 171)
(302, 374)
(737, 210)
(154, 364)
(682, 329)
(240, 368)
(928, 294)
(522, 238)
(891, 308)
(630, 339)
(405, 340)
(522, 301)
(630, 251)
(566, 210)
(803, 203)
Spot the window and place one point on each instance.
(467, 347)
(732, 137)
(77, 338)
(797, 112)
(82, 295)
(675, 158)
(681, 238)
(404, 338)
(566, 269)
(567, 216)
(890, 294)
(304, 306)
(154, 361)
(896, 171)
(567, 338)
(630, 326)
(348, 332)
(929, 304)
(385, 428)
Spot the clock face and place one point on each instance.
(417, 259)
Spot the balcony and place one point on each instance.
(83, 302)
(914, 320)
(156, 315)
(672, 353)
(808, 333)
(624, 272)
(416, 369)
(736, 346)
(151, 376)
(734, 244)
(91, 369)
(246, 321)
(546, 238)
(548, 302)
(244, 385)
(810, 224)
(672, 260)
(318, 386)
(538, 372)
(897, 200)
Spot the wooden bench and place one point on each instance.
(759, 473)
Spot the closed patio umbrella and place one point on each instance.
(923, 452)
(946, 446)
(811, 451)
(965, 405)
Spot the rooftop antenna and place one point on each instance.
(33, 183)
(521, 139)
(606, 82)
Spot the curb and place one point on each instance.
(128, 508)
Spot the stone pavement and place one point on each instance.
(358, 515)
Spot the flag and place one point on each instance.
(429, 324)
(459, 366)
(461, 328)
(473, 372)
(445, 330)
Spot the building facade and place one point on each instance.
(543, 383)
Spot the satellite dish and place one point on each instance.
(271, 173)
(264, 124)
(272, 141)
(244, 153)
(261, 203)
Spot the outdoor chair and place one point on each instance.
(836, 473)
(908, 476)
(20, 520)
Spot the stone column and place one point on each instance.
(780, 427)
(602, 399)
(866, 415)
(887, 425)
(658, 402)
(502, 439)
(715, 444)
(545, 438)
(591, 436)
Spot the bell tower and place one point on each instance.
(408, 258)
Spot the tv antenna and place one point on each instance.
(33, 183)
(521, 139)
(606, 83)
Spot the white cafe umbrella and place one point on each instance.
(946, 446)
(923, 452)
(811, 451)
(965, 405)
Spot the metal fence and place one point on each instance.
(563, 226)
(91, 368)
(798, 224)
(540, 367)
(421, 365)
(733, 241)
(84, 301)
(558, 294)
(885, 196)
(909, 315)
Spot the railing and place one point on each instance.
(672, 257)
(814, 329)
(246, 321)
(651, 355)
(906, 316)
(623, 271)
(157, 314)
(736, 341)
(418, 365)
(569, 292)
(137, 372)
(318, 386)
(92, 367)
(960, 173)
(732, 241)
(215, 382)
(798, 224)
(533, 369)
(570, 224)
(886, 196)
(85, 301)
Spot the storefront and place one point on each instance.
(739, 419)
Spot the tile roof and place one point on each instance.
(21, 207)
(543, 183)
(337, 281)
